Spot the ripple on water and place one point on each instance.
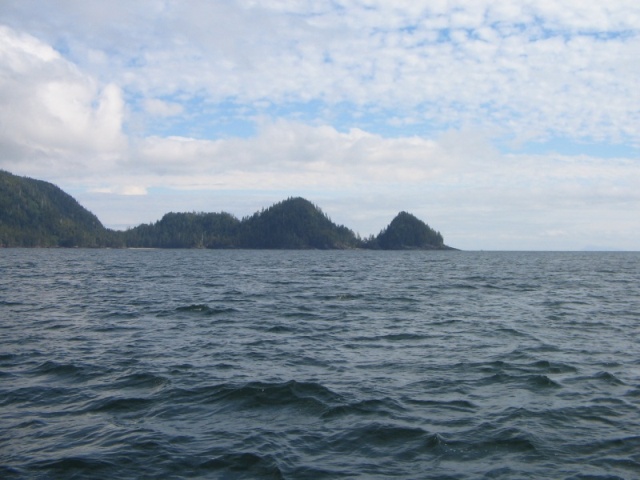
(253, 364)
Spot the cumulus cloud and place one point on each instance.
(121, 189)
(51, 112)
(291, 156)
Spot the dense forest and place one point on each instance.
(34, 213)
(407, 232)
(185, 230)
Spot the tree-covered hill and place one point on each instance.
(408, 232)
(34, 213)
(186, 230)
(294, 223)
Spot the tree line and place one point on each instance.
(34, 213)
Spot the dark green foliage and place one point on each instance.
(407, 232)
(294, 223)
(185, 230)
(34, 213)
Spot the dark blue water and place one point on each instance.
(309, 364)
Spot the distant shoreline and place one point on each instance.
(40, 214)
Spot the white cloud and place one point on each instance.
(290, 154)
(50, 110)
(126, 190)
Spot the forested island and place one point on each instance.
(35, 213)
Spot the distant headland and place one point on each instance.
(35, 213)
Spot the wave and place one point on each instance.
(34, 395)
(506, 439)
(608, 378)
(309, 396)
(392, 337)
(376, 438)
(7, 303)
(341, 297)
(246, 464)
(448, 405)
(202, 309)
(140, 380)
(121, 315)
(76, 465)
(118, 405)
(533, 382)
(386, 407)
(50, 367)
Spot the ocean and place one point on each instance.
(232, 364)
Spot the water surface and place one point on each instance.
(319, 364)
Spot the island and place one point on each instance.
(36, 213)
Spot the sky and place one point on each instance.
(503, 124)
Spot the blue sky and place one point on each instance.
(505, 125)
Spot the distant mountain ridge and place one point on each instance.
(35, 213)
